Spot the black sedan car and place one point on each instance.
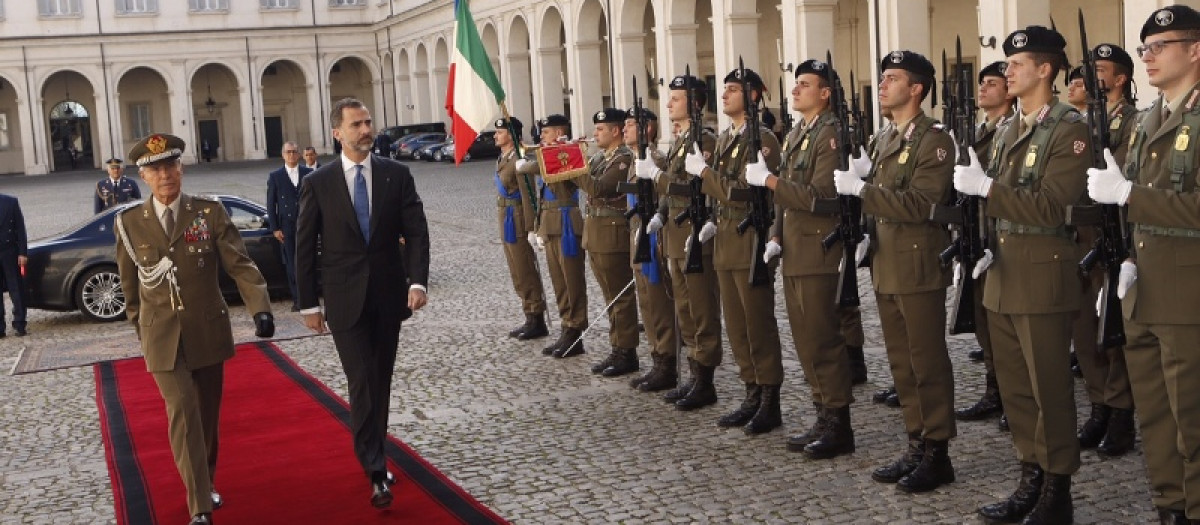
(77, 269)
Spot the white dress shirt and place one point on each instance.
(160, 211)
(293, 174)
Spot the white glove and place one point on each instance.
(958, 273)
(848, 182)
(1126, 278)
(861, 166)
(521, 164)
(536, 241)
(708, 231)
(772, 251)
(860, 253)
(655, 224)
(1108, 185)
(694, 162)
(982, 264)
(757, 173)
(646, 169)
(1099, 302)
(971, 179)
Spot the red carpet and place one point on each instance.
(285, 453)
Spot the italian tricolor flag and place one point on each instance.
(474, 93)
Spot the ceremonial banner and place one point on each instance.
(561, 162)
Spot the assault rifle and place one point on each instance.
(849, 231)
(760, 215)
(697, 211)
(785, 116)
(970, 240)
(646, 204)
(1112, 244)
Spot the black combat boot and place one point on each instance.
(881, 396)
(1054, 505)
(625, 363)
(742, 415)
(975, 355)
(858, 365)
(516, 332)
(562, 337)
(1078, 372)
(1172, 517)
(607, 362)
(572, 344)
(934, 471)
(1022, 500)
(893, 400)
(768, 416)
(1119, 438)
(662, 376)
(677, 393)
(1094, 428)
(892, 472)
(535, 327)
(989, 405)
(797, 442)
(837, 437)
(702, 393)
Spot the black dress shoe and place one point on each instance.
(381, 496)
(893, 400)
(882, 395)
(391, 480)
(217, 500)
(975, 355)
(201, 519)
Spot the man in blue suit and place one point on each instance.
(283, 205)
(13, 247)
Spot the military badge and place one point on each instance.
(1078, 146)
(766, 152)
(941, 154)
(707, 155)
(1115, 124)
(197, 231)
(1031, 157)
(896, 57)
(736, 149)
(832, 143)
(1104, 51)
(1182, 140)
(904, 155)
(156, 144)
(804, 144)
(1164, 17)
(1020, 40)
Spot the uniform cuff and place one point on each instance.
(420, 287)
(310, 311)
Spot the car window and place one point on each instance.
(244, 218)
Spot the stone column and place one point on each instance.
(552, 81)
(587, 82)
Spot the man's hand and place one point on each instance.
(264, 325)
(971, 179)
(1108, 185)
(694, 163)
(1126, 278)
(416, 299)
(279, 235)
(22, 260)
(757, 173)
(521, 164)
(535, 241)
(655, 224)
(708, 231)
(983, 264)
(861, 165)
(646, 169)
(772, 251)
(315, 322)
(848, 182)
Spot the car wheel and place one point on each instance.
(437, 155)
(98, 294)
(466, 157)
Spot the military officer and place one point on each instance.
(655, 297)
(1032, 290)
(115, 188)
(515, 214)
(559, 230)
(1109, 428)
(997, 106)
(606, 239)
(911, 166)
(169, 250)
(697, 296)
(1160, 289)
(810, 273)
(749, 310)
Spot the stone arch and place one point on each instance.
(12, 122)
(552, 60)
(519, 65)
(441, 79)
(420, 82)
(283, 84)
(69, 107)
(404, 87)
(143, 106)
(216, 101)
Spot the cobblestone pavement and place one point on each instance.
(537, 439)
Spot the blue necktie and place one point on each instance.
(362, 206)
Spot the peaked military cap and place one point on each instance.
(815, 67)
(646, 114)
(556, 119)
(1034, 39)
(609, 116)
(1113, 53)
(156, 147)
(114, 162)
(1170, 18)
(908, 61)
(752, 79)
(682, 82)
(995, 69)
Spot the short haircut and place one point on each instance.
(925, 82)
(310, 148)
(335, 114)
(1057, 62)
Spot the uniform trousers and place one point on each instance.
(698, 309)
(570, 288)
(1104, 372)
(522, 266)
(615, 278)
(816, 331)
(193, 401)
(914, 332)
(658, 311)
(751, 327)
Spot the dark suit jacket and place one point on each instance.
(283, 199)
(12, 227)
(353, 271)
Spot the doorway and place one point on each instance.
(210, 140)
(273, 126)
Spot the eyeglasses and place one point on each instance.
(1157, 47)
(291, 151)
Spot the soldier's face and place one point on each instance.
(992, 93)
(894, 89)
(1177, 61)
(731, 99)
(114, 172)
(808, 95)
(1024, 75)
(629, 132)
(550, 134)
(607, 135)
(677, 105)
(310, 157)
(355, 133)
(1076, 93)
(503, 139)
(1106, 71)
(164, 178)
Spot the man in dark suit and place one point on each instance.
(13, 245)
(169, 251)
(283, 204)
(310, 158)
(359, 207)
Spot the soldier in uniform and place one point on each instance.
(1159, 286)
(1109, 429)
(749, 310)
(810, 273)
(606, 239)
(180, 316)
(559, 231)
(655, 297)
(910, 166)
(515, 214)
(993, 99)
(1077, 94)
(1032, 289)
(115, 188)
(697, 296)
